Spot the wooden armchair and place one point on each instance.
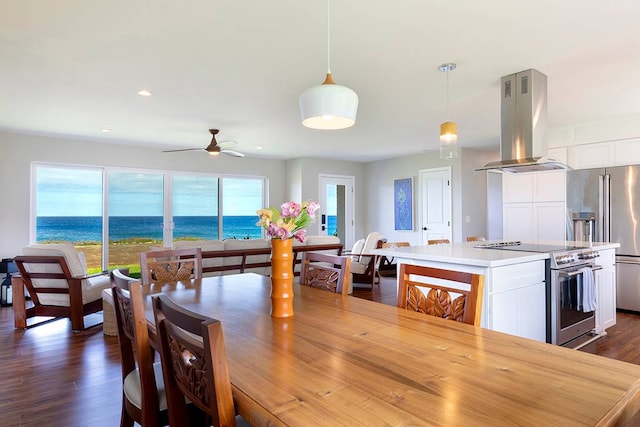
(324, 271)
(55, 277)
(170, 265)
(427, 290)
(363, 262)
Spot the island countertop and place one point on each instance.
(466, 253)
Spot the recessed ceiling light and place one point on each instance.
(105, 130)
(259, 147)
(144, 93)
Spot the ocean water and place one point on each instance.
(89, 229)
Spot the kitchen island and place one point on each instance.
(515, 282)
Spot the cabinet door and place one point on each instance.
(550, 220)
(517, 222)
(550, 186)
(591, 155)
(520, 312)
(605, 280)
(517, 187)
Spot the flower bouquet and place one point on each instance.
(288, 222)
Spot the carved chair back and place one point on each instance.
(325, 271)
(170, 265)
(438, 241)
(194, 363)
(428, 290)
(141, 401)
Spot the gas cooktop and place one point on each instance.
(517, 245)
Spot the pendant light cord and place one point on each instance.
(447, 95)
(328, 36)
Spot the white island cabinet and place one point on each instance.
(514, 282)
(605, 282)
(514, 298)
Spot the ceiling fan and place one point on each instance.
(214, 148)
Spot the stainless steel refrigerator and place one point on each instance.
(603, 205)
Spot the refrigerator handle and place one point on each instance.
(606, 206)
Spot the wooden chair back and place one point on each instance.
(438, 241)
(136, 352)
(427, 290)
(326, 271)
(170, 265)
(395, 245)
(476, 239)
(194, 363)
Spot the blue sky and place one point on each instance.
(78, 192)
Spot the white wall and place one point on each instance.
(468, 189)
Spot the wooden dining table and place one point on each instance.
(346, 361)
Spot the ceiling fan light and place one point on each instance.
(328, 106)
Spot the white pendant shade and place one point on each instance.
(328, 106)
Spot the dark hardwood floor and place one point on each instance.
(50, 376)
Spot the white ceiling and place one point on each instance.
(73, 67)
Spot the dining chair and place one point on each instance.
(437, 241)
(428, 290)
(476, 239)
(194, 363)
(170, 265)
(325, 271)
(143, 396)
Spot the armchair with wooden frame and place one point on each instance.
(56, 279)
(363, 262)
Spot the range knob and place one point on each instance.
(563, 259)
(589, 255)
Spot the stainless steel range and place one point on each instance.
(570, 289)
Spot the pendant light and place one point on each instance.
(448, 129)
(328, 106)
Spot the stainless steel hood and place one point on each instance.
(523, 113)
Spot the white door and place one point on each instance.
(435, 193)
(337, 208)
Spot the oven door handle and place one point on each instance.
(575, 273)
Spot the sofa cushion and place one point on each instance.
(322, 240)
(237, 244)
(205, 246)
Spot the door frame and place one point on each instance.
(349, 182)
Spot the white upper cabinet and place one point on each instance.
(591, 155)
(517, 187)
(549, 186)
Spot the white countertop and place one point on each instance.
(465, 253)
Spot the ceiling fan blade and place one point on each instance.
(232, 153)
(227, 144)
(182, 149)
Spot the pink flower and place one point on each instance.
(290, 210)
(312, 208)
(300, 235)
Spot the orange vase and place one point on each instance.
(282, 278)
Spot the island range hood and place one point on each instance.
(523, 117)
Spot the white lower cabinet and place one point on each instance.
(605, 281)
(515, 300)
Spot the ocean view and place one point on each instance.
(121, 228)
